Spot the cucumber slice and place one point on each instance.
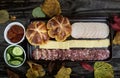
(15, 62)
(18, 58)
(8, 56)
(17, 51)
(10, 49)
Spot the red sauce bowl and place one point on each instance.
(14, 33)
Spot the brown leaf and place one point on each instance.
(51, 66)
(12, 74)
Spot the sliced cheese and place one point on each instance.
(76, 44)
(89, 43)
(55, 45)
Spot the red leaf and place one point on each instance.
(116, 19)
(116, 27)
(86, 66)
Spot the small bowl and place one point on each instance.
(7, 29)
(13, 58)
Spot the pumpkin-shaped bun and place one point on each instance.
(59, 28)
(36, 33)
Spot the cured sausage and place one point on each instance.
(71, 54)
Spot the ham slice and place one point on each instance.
(89, 30)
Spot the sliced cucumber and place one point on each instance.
(8, 56)
(18, 58)
(15, 62)
(14, 55)
(10, 49)
(17, 51)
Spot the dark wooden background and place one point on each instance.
(72, 8)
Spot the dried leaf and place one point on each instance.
(13, 18)
(63, 72)
(103, 70)
(116, 25)
(11, 74)
(86, 66)
(35, 70)
(51, 7)
(37, 12)
(116, 19)
(117, 38)
(4, 16)
(51, 66)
